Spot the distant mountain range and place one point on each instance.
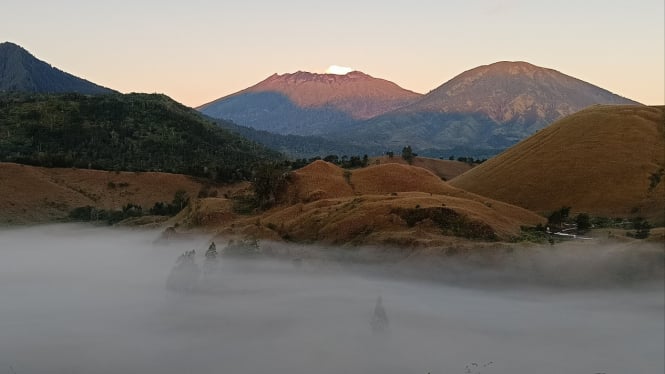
(479, 113)
(483, 111)
(22, 72)
(305, 103)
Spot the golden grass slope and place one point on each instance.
(31, 194)
(445, 169)
(604, 160)
(380, 204)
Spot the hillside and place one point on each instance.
(30, 194)
(305, 103)
(135, 132)
(445, 169)
(22, 72)
(383, 204)
(298, 146)
(604, 160)
(484, 110)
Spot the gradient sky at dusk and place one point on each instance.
(199, 50)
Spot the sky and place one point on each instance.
(200, 50)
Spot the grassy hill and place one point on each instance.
(30, 194)
(389, 204)
(604, 160)
(134, 132)
(445, 169)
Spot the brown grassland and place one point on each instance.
(445, 169)
(380, 204)
(604, 160)
(36, 195)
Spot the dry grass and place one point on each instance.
(33, 194)
(388, 178)
(444, 169)
(599, 160)
(369, 206)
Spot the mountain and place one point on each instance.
(490, 107)
(604, 160)
(305, 103)
(134, 132)
(22, 72)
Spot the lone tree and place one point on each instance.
(583, 222)
(408, 155)
(558, 217)
(642, 228)
(268, 180)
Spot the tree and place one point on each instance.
(267, 183)
(390, 154)
(379, 321)
(408, 155)
(642, 228)
(583, 222)
(180, 199)
(558, 217)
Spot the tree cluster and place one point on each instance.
(134, 132)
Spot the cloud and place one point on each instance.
(338, 70)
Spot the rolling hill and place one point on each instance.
(22, 72)
(604, 160)
(30, 194)
(483, 111)
(390, 204)
(305, 103)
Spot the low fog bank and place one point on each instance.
(80, 299)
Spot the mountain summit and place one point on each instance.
(482, 111)
(22, 72)
(306, 103)
(515, 92)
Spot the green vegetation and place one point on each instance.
(583, 222)
(558, 217)
(642, 228)
(134, 132)
(408, 155)
(243, 247)
(450, 222)
(91, 214)
(267, 182)
(534, 234)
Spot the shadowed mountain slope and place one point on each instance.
(22, 72)
(305, 103)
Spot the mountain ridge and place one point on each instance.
(490, 108)
(304, 103)
(20, 71)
